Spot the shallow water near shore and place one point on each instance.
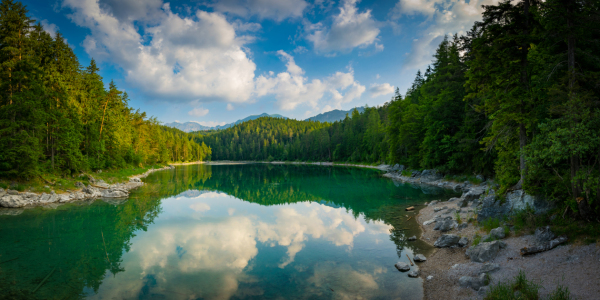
(249, 231)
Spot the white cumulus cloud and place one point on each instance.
(176, 57)
(443, 17)
(198, 112)
(349, 29)
(292, 88)
(380, 89)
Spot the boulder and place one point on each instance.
(402, 267)
(498, 233)
(413, 273)
(485, 251)
(473, 282)
(462, 226)
(12, 192)
(412, 238)
(115, 193)
(419, 258)
(135, 179)
(415, 173)
(428, 222)
(13, 201)
(79, 184)
(513, 202)
(489, 267)
(445, 225)
(463, 242)
(544, 234)
(446, 240)
(47, 198)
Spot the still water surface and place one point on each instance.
(223, 232)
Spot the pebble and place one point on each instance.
(429, 277)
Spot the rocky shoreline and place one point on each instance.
(97, 189)
(458, 270)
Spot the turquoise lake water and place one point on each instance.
(255, 231)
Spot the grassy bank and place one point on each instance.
(47, 182)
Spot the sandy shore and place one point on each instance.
(572, 266)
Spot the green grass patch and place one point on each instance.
(457, 218)
(520, 288)
(489, 224)
(476, 240)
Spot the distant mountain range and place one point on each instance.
(334, 115)
(330, 116)
(193, 126)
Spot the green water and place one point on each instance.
(222, 232)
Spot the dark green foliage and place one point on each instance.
(56, 117)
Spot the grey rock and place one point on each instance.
(544, 234)
(12, 192)
(79, 184)
(402, 267)
(91, 179)
(483, 291)
(498, 233)
(412, 238)
(428, 222)
(484, 251)
(47, 198)
(462, 226)
(63, 198)
(433, 202)
(419, 258)
(437, 209)
(446, 240)
(489, 267)
(429, 277)
(415, 173)
(115, 193)
(446, 225)
(13, 201)
(513, 202)
(463, 242)
(413, 273)
(453, 199)
(473, 282)
(135, 179)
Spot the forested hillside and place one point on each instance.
(57, 116)
(516, 98)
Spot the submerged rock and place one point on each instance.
(413, 273)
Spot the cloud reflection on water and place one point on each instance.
(211, 257)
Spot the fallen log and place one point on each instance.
(545, 246)
(410, 208)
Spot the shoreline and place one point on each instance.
(13, 202)
(572, 266)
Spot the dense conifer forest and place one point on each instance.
(516, 98)
(57, 116)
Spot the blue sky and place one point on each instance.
(218, 61)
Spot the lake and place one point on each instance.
(253, 231)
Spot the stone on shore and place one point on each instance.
(413, 274)
(402, 266)
(489, 267)
(445, 225)
(544, 234)
(498, 233)
(135, 179)
(419, 258)
(79, 184)
(463, 242)
(473, 282)
(485, 251)
(115, 193)
(13, 201)
(446, 240)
